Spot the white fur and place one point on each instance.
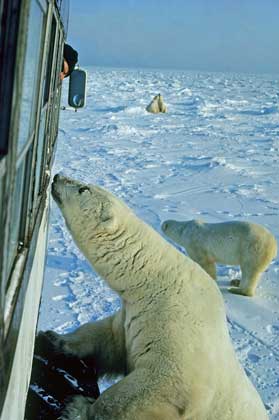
(248, 245)
(170, 339)
(157, 105)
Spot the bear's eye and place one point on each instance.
(82, 189)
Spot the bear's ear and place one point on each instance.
(107, 218)
(109, 225)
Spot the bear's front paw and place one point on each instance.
(48, 342)
(77, 408)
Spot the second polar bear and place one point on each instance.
(170, 339)
(157, 105)
(249, 245)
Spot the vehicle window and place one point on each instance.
(40, 154)
(15, 215)
(30, 81)
(28, 113)
(50, 61)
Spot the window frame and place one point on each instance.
(23, 156)
(10, 19)
(31, 202)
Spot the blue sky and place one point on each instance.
(208, 35)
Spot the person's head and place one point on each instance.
(70, 58)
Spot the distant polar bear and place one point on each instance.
(157, 105)
(248, 245)
(170, 339)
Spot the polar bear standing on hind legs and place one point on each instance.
(170, 338)
(248, 245)
(157, 105)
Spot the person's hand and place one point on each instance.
(65, 71)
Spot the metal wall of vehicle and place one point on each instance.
(31, 39)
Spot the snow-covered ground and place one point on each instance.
(214, 156)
